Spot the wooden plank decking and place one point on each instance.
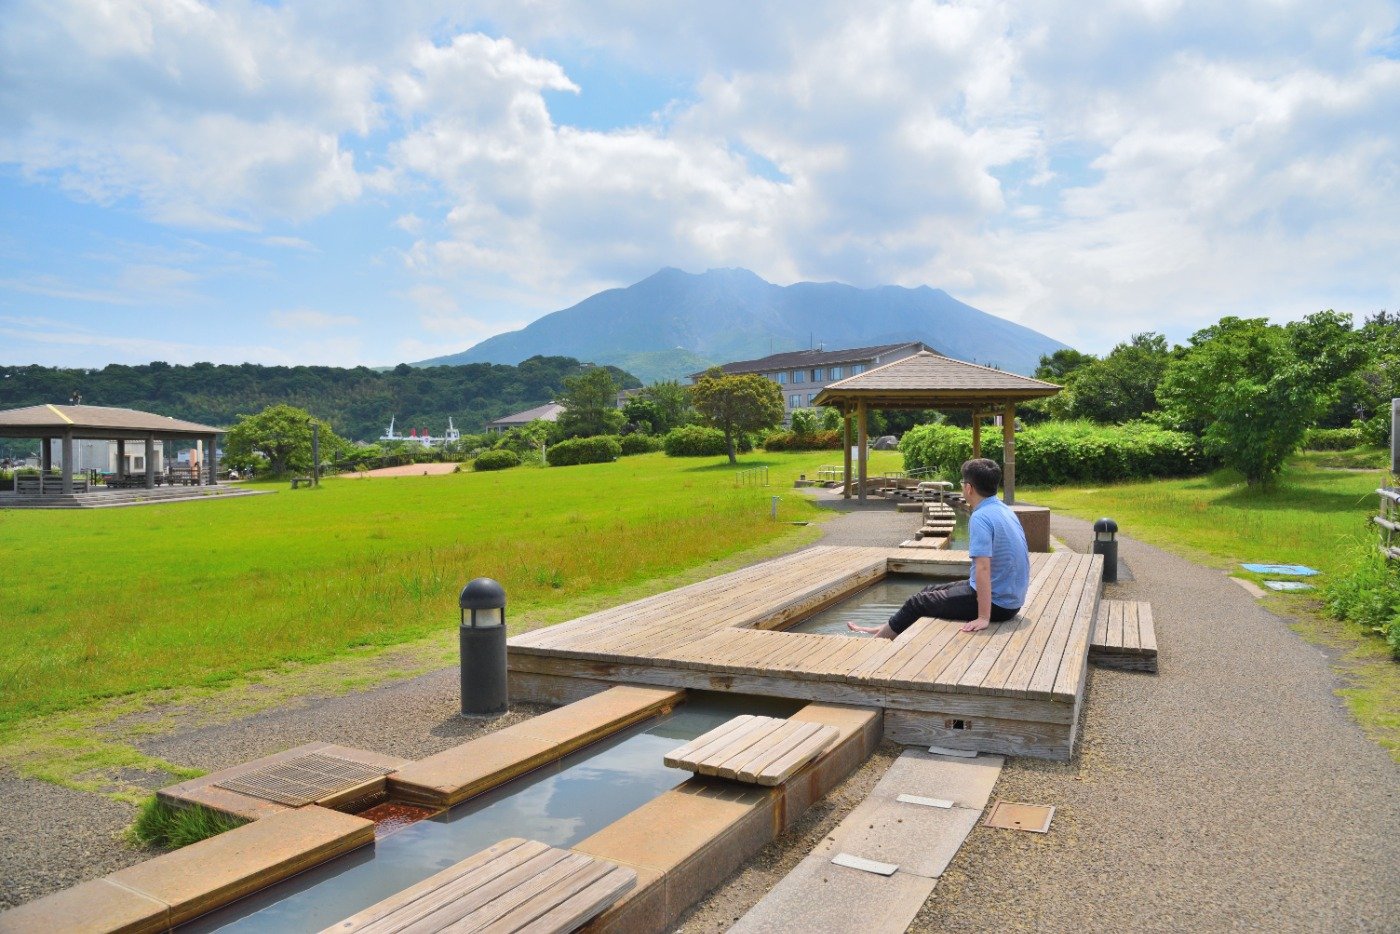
(720, 634)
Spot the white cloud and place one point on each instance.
(291, 243)
(308, 319)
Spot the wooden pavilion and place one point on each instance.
(67, 423)
(932, 381)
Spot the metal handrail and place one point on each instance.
(753, 476)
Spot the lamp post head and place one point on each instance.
(1105, 529)
(483, 594)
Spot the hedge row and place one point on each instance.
(1333, 439)
(496, 460)
(1064, 452)
(810, 441)
(639, 444)
(699, 441)
(600, 449)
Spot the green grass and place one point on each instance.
(1317, 515)
(101, 604)
(167, 827)
(1314, 516)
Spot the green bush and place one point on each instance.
(1333, 439)
(599, 449)
(794, 441)
(170, 827)
(1369, 596)
(1063, 452)
(496, 460)
(699, 441)
(638, 443)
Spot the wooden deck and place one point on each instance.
(1014, 688)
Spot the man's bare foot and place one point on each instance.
(977, 625)
(868, 630)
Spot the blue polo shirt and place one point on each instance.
(994, 532)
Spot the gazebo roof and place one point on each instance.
(95, 421)
(930, 380)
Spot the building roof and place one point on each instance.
(800, 359)
(548, 412)
(94, 421)
(931, 380)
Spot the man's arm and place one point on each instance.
(982, 569)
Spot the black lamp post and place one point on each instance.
(1106, 544)
(482, 642)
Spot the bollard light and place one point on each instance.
(482, 643)
(1106, 544)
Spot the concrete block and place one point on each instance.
(91, 908)
(1035, 522)
(206, 875)
(919, 840)
(478, 765)
(967, 783)
(847, 901)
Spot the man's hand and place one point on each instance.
(977, 625)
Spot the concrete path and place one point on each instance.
(821, 896)
(1232, 791)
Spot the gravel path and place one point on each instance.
(1230, 792)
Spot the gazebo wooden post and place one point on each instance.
(213, 459)
(846, 452)
(45, 461)
(121, 458)
(1008, 452)
(864, 451)
(67, 462)
(150, 462)
(976, 433)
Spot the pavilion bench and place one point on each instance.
(1124, 636)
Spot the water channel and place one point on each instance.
(558, 804)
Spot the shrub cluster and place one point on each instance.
(496, 460)
(1064, 452)
(699, 441)
(1333, 439)
(599, 449)
(638, 443)
(794, 441)
(1369, 595)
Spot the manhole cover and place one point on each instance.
(302, 780)
(1010, 816)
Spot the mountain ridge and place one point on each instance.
(665, 324)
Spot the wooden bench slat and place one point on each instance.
(1136, 645)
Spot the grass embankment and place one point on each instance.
(106, 603)
(1316, 515)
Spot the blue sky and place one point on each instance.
(345, 182)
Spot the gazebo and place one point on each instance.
(932, 381)
(67, 423)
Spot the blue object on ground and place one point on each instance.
(1296, 570)
(1287, 585)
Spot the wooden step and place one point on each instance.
(755, 750)
(515, 885)
(1124, 636)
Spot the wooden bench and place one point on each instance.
(1124, 636)
(302, 481)
(516, 885)
(30, 483)
(755, 750)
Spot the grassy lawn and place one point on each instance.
(1317, 515)
(105, 603)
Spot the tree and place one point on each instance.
(1242, 385)
(282, 434)
(1120, 387)
(590, 405)
(734, 404)
(1057, 366)
(672, 400)
(644, 416)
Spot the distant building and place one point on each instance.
(801, 374)
(549, 412)
(101, 456)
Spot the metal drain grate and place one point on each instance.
(302, 780)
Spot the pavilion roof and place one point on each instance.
(94, 421)
(930, 380)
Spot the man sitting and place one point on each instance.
(1001, 564)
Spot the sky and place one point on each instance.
(352, 182)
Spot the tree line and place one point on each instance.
(357, 401)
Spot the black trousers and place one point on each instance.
(955, 601)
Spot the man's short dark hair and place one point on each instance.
(984, 475)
